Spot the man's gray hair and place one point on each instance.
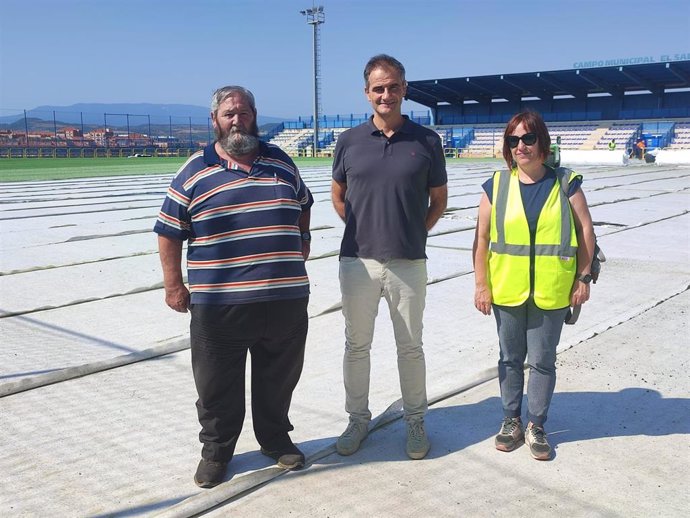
(383, 60)
(226, 91)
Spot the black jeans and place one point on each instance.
(274, 333)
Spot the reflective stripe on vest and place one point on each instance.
(555, 246)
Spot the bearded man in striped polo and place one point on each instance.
(244, 211)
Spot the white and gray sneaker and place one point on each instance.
(352, 437)
(417, 442)
(535, 437)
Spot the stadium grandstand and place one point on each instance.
(586, 107)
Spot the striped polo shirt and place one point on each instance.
(244, 242)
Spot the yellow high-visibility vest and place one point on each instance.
(555, 246)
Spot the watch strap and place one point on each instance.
(587, 278)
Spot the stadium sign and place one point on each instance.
(663, 58)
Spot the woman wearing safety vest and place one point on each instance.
(532, 254)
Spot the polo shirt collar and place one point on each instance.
(407, 126)
(211, 156)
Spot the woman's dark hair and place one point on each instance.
(532, 122)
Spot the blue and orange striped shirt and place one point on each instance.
(244, 242)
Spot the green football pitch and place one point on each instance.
(35, 169)
(32, 169)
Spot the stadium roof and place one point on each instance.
(614, 80)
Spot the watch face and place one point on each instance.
(586, 278)
(306, 236)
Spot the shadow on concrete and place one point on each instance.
(574, 416)
(141, 509)
(27, 373)
(582, 416)
(64, 331)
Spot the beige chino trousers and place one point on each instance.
(402, 283)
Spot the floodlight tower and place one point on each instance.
(315, 17)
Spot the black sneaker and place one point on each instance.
(210, 473)
(535, 437)
(511, 435)
(288, 457)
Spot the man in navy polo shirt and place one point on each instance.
(244, 211)
(389, 187)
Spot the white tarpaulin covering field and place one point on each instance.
(97, 413)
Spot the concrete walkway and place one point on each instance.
(97, 412)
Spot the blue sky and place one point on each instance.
(173, 51)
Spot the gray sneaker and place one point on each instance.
(417, 442)
(352, 437)
(511, 435)
(535, 437)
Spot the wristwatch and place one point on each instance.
(306, 236)
(587, 278)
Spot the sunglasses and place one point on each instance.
(528, 139)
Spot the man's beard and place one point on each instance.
(238, 142)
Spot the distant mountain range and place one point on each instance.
(92, 114)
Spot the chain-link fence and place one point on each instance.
(42, 129)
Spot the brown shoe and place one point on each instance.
(287, 457)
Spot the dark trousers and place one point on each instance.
(274, 333)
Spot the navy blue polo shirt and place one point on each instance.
(387, 195)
